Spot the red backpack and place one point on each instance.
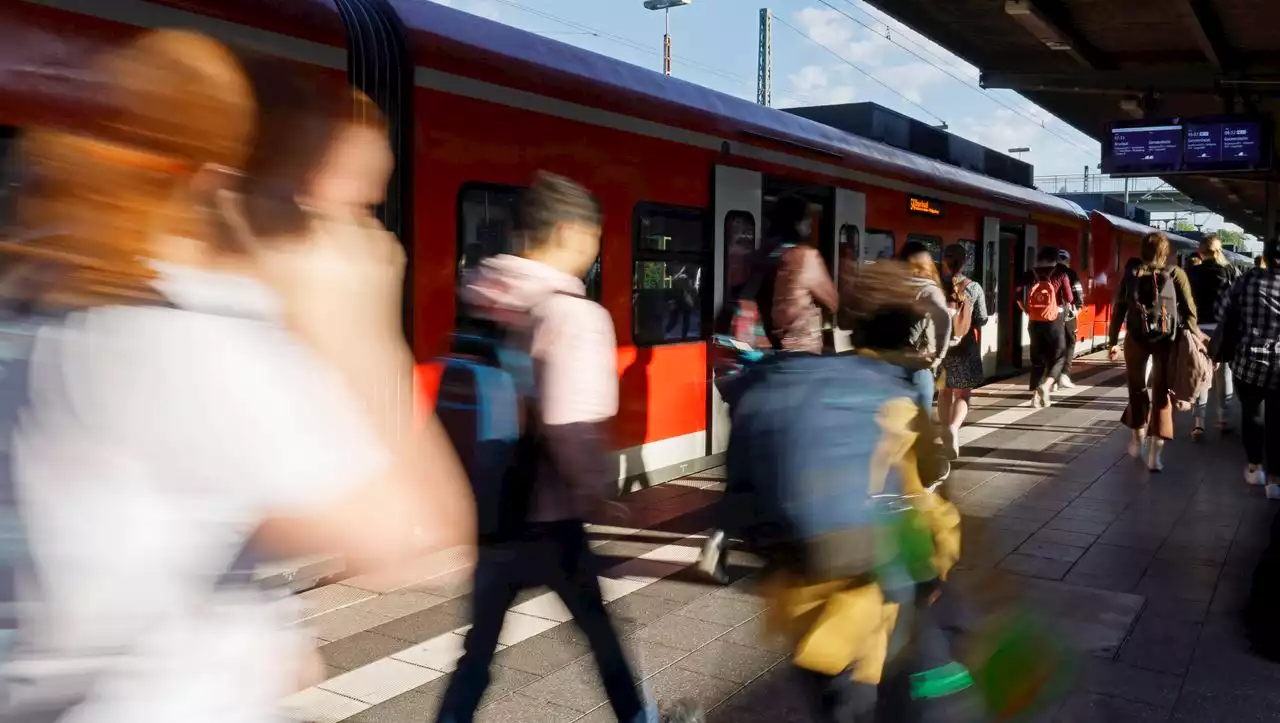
(1042, 299)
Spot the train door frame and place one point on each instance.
(733, 191)
(849, 214)
(1009, 346)
(993, 256)
(1030, 245)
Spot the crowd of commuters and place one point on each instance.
(219, 378)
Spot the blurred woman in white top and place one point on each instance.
(193, 405)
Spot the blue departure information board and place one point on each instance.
(1213, 144)
(1216, 145)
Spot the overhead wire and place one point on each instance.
(855, 66)
(637, 45)
(946, 69)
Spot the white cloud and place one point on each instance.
(814, 85)
(911, 79)
(854, 43)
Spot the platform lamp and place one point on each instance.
(1018, 152)
(665, 6)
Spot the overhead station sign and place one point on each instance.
(1218, 144)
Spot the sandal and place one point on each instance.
(1197, 434)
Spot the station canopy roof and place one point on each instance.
(1091, 62)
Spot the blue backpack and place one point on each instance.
(487, 404)
(803, 449)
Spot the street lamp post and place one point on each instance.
(1019, 152)
(665, 6)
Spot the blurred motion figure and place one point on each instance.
(180, 426)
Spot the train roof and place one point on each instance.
(1179, 242)
(457, 42)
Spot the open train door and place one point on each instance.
(737, 203)
(993, 259)
(850, 224)
(1030, 244)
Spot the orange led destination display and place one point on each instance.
(924, 206)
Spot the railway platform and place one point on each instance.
(1143, 575)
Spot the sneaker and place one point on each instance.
(1137, 446)
(1273, 491)
(1037, 398)
(1046, 396)
(712, 561)
(685, 711)
(1253, 475)
(953, 448)
(1064, 382)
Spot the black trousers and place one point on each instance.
(1260, 425)
(1048, 344)
(1071, 330)
(555, 555)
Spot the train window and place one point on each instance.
(971, 258)
(850, 241)
(669, 257)
(879, 245)
(486, 222)
(9, 173)
(933, 243)
(740, 246)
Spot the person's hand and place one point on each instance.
(1113, 353)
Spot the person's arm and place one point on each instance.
(1077, 290)
(576, 352)
(1064, 285)
(1186, 298)
(1119, 309)
(817, 279)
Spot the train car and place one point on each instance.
(686, 177)
(1114, 242)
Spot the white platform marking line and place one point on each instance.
(360, 689)
(1024, 409)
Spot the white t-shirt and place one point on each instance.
(158, 440)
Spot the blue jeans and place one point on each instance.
(1223, 391)
(925, 385)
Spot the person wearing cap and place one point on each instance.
(1072, 316)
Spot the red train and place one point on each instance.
(686, 177)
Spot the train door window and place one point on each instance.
(879, 245)
(973, 261)
(667, 277)
(9, 176)
(850, 242)
(933, 243)
(486, 225)
(740, 247)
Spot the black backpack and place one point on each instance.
(1153, 305)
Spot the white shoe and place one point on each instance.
(1064, 382)
(1037, 398)
(1046, 394)
(1154, 448)
(953, 447)
(1137, 445)
(1253, 475)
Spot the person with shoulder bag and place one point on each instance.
(1154, 304)
(1210, 281)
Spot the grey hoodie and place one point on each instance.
(938, 313)
(574, 352)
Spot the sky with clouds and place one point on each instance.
(824, 51)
